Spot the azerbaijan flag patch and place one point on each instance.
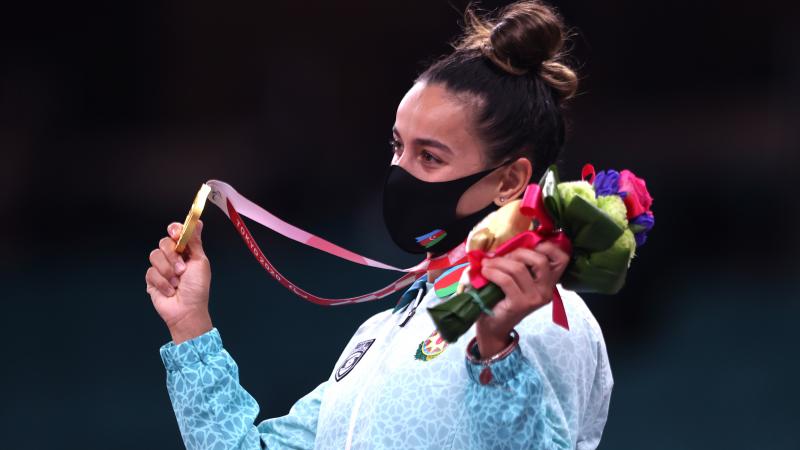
(429, 239)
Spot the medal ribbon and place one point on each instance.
(236, 206)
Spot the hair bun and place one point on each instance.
(525, 37)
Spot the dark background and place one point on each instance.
(113, 113)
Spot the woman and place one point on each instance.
(475, 128)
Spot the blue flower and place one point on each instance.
(640, 225)
(606, 182)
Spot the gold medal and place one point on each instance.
(193, 217)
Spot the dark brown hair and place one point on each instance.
(510, 65)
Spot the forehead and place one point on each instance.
(430, 111)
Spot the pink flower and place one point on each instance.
(637, 200)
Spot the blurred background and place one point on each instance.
(113, 113)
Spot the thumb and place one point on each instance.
(174, 230)
(195, 244)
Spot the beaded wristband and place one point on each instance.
(473, 356)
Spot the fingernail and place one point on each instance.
(174, 281)
(179, 267)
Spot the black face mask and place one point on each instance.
(421, 215)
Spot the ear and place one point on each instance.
(513, 180)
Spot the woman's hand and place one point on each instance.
(178, 285)
(527, 277)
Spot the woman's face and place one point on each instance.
(434, 140)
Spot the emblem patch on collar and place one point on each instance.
(431, 347)
(353, 359)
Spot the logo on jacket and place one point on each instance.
(428, 240)
(431, 347)
(353, 359)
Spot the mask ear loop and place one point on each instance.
(488, 172)
(507, 162)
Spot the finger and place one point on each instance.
(537, 264)
(502, 279)
(155, 280)
(540, 271)
(522, 276)
(195, 244)
(163, 266)
(174, 258)
(557, 256)
(174, 230)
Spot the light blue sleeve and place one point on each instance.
(215, 412)
(511, 411)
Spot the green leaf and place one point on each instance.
(456, 315)
(588, 226)
(550, 195)
(602, 272)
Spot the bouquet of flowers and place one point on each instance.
(600, 219)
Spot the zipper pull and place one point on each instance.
(413, 309)
(408, 317)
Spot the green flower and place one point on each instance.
(615, 208)
(570, 189)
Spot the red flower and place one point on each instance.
(637, 199)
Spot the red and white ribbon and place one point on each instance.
(236, 206)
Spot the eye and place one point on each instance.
(395, 146)
(429, 157)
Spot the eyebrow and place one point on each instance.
(427, 142)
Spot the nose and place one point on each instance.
(401, 160)
(407, 163)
